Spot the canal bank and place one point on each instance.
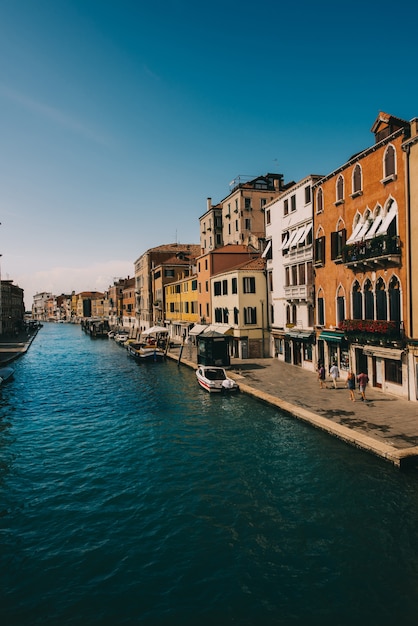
(385, 426)
(13, 348)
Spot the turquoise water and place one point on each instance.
(128, 495)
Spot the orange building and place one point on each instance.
(360, 262)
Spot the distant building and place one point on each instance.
(39, 309)
(12, 308)
(144, 266)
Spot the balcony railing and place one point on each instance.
(381, 250)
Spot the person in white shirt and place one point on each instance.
(335, 374)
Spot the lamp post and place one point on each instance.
(262, 328)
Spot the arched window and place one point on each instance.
(381, 300)
(288, 314)
(340, 189)
(357, 182)
(357, 301)
(319, 200)
(389, 162)
(368, 300)
(340, 305)
(294, 314)
(394, 300)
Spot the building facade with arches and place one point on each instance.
(360, 262)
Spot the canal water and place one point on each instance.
(128, 495)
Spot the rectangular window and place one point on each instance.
(247, 224)
(169, 273)
(302, 275)
(293, 203)
(250, 315)
(194, 285)
(286, 207)
(294, 274)
(338, 240)
(320, 251)
(393, 371)
(268, 218)
(236, 225)
(307, 194)
(217, 288)
(236, 316)
(247, 204)
(248, 284)
(224, 287)
(234, 285)
(309, 273)
(218, 316)
(287, 276)
(207, 286)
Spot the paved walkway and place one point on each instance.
(384, 425)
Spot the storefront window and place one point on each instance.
(393, 371)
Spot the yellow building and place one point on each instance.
(181, 309)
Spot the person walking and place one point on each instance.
(321, 375)
(362, 380)
(334, 373)
(351, 385)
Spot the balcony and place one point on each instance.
(373, 332)
(380, 251)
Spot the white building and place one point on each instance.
(289, 255)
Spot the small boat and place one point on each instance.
(214, 379)
(6, 373)
(145, 352)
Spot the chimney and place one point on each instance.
(209, 203)
(414, 127)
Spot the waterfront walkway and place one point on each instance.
(384, 425)
(13, 347)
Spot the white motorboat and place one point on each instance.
(215, 379)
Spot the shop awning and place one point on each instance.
(300, 335)
(197, 329)
(384, 353)
(332, 337)
(223, 329)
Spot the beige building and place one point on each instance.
(243, 209)
(215, 262)
(239, 308)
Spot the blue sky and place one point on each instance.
(119, 118)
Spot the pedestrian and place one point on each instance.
(351, 385)
(321, 375)
(362, 380)
(334, 373)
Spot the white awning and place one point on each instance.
(300, 235)
(384, 353)
(383, 228)
(292, 238)
(218, 328)
(372, 231)
(283, 245)
(197, 329)
(155, 330)
(353, 236)
(266, 251)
